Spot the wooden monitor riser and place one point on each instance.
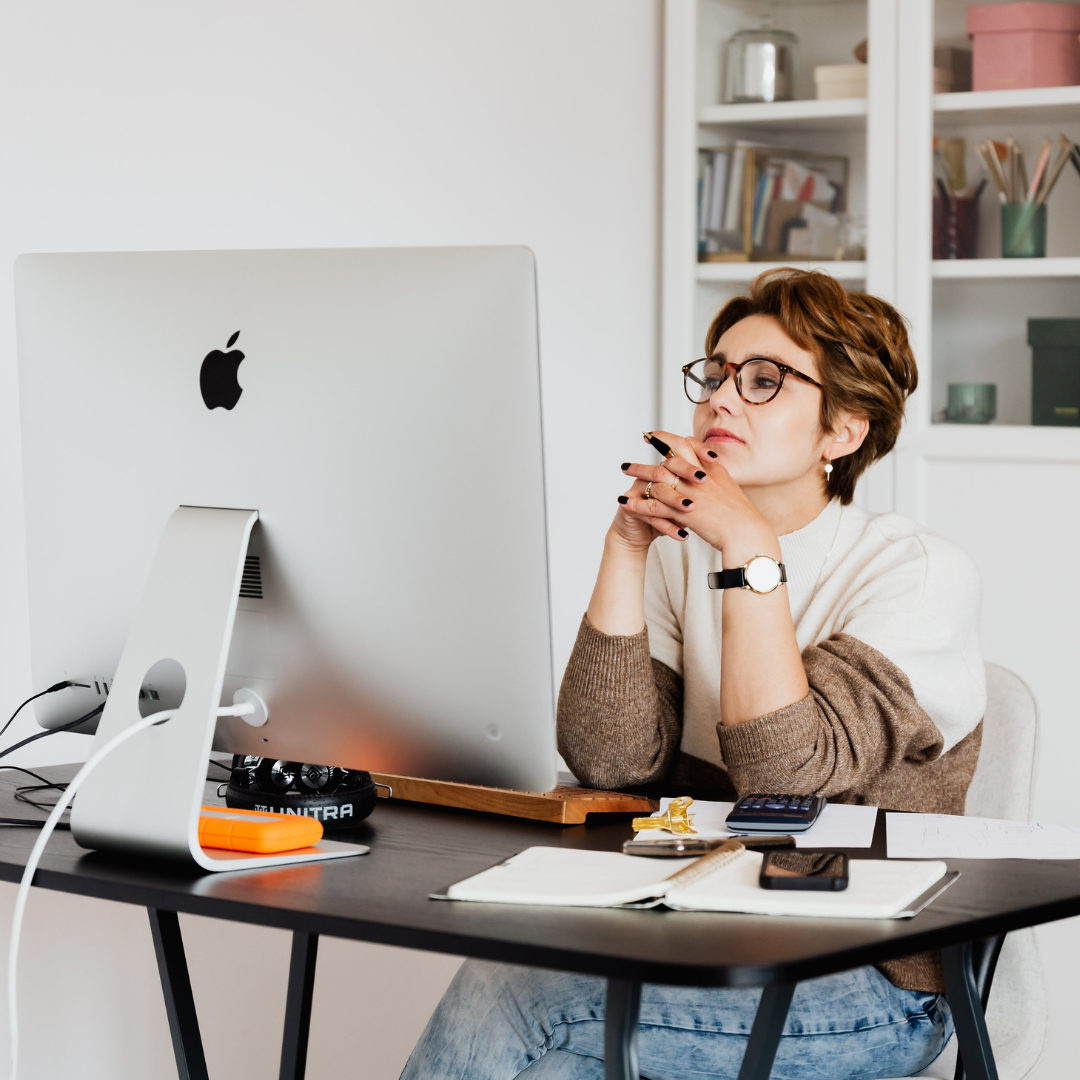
(567, 804)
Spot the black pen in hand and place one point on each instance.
(658, 445)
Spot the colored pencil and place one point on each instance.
(1063, 155)
(1040, 169)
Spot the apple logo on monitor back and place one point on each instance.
(217, 378)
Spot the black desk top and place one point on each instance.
(417, 850)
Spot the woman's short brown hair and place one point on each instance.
(861, 345)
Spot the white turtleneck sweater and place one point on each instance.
(880, 578)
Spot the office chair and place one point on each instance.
(1008, 970)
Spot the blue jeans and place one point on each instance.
(497, 1021)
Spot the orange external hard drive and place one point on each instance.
(256, 830)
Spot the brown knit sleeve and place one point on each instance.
(859, 732)
(620, 712)
(858, 736)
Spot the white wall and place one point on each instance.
(127, 125)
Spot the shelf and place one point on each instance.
(1040, 105)
(842, 114)
(1000, 442)
(1006, 268)
(747, 271)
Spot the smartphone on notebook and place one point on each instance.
(826, 871)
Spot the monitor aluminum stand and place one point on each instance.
(144, 797)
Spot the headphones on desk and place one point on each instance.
(338, 798)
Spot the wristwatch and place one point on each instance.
(761, 574)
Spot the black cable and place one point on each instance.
(30, 772)
(21, 792)
(45, 785)
(53, 731)
(22, 796)
(26, 822)
(52, 690)
(30, 822)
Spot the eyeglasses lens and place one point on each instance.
(759, 381)
(703, 379)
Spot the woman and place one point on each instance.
(842, 660)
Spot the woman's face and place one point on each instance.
(775, 443)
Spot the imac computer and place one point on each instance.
(316, 474)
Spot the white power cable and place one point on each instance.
(244, 709)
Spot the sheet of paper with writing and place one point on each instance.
(942, 836)
(841, 825)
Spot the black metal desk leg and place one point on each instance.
(967, 1013)
(620, 1030)
(176, 986)
(765, 1035)
(294, 1042)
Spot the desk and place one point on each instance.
(417, 850)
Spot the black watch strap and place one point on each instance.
(728, 579)
(736, 578)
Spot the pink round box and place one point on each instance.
(1024, 45)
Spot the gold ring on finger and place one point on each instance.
(675, 483)
(648, 490)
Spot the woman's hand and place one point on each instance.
(692, 492)
(618, 606)
(637, 530)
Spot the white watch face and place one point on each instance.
(762, 574)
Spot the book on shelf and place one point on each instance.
(762, 202)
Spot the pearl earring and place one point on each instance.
(828, 471)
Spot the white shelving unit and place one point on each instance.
(980, 307)
(968, 317)
(1007, 492)
(1002, 443)
(1047, 105)
(842, 114)
(738, 272)
(960, 269)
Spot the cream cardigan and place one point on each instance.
(880, 578)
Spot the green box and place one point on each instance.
(1055, 371)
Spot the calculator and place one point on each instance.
(775, 813)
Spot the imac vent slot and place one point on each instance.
(251, 580)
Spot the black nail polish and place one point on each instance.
(688, 502)
(624, 466)
(699, 475)
(683, 533)
(711, 453)
(623, 499)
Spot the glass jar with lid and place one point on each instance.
(760, 65)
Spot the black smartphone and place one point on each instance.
(826, 870)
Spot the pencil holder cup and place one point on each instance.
(1023, 231)
(956, 227)
(971, 403)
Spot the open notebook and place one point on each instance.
(719, 881)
